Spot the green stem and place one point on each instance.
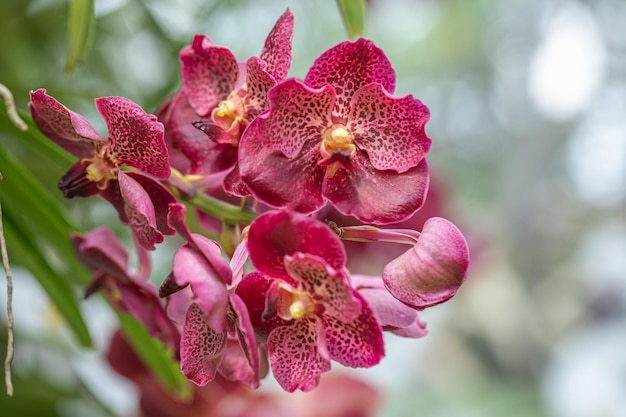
(220, 209)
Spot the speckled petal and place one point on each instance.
(433, 270)
(136, 138)
(358, 343)
(377, 197)
(69, 130)
(201, 347)
(275, 234)
(297, 355)
(390, 129)
(329, 286)
(139, 212)
(277, 49)
(298, 114)
(161, 198)
(209, 73)
(279, 181)
(349, 66)
(258, 83)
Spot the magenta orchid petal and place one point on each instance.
(389, 129)
(313, 275)
(258, 83)
(205, 153)
(357, 343)
(377, 197)
(349, 66)
(161, 198)
(101, 250)
(210, 293)
(211, 250)
(67, 129)
(433, 270)
(295, 355)
(299, 114)
(139, 212)
(235, 365)
(275, 234)
(246, 337)
(209, 74)
(277, 49)
(136, 138)
(201, 347)
(293, 184)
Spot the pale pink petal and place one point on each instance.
(246, 338)
(390, 129)
(358, 343)
(433, 270)
(209, 73)
(139, 212)
(390, 312)
(325, 284)
(416, 330)
(377, 197)
(210, 293)
(201, 348)
(136, 138)
(69, 130)
(296, 359)
(277, 49)
(349, 66)
(235, 365)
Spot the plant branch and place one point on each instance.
(7, 269)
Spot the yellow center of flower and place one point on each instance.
(99, 171)
(294, 304)
(336, 139)
(229, 114)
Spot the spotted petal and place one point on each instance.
(279, 181)
(349, 66)
(277, 49)
(69, 130)
(298, 115)
(275, 234)
(432, 271)
(357, 343)
(298, 354)
(201, 347)
(258, 83)
(390, 129)
(377, 197)
(140, 212)
(136, 138)
(325, 284)
(209, 73)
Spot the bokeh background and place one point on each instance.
(528, 121)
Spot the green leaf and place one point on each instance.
(156, 357)
(80, 32)
(38, 214)
(23, 249)
(353, 15)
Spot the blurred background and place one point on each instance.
(528, 121)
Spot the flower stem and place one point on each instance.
(217, 208)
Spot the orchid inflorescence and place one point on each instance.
(258, 158)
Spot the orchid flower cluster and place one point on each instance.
(256, 156)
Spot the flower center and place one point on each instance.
(229, 114)
(337, 148)
(294, 305)
(88, 177)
